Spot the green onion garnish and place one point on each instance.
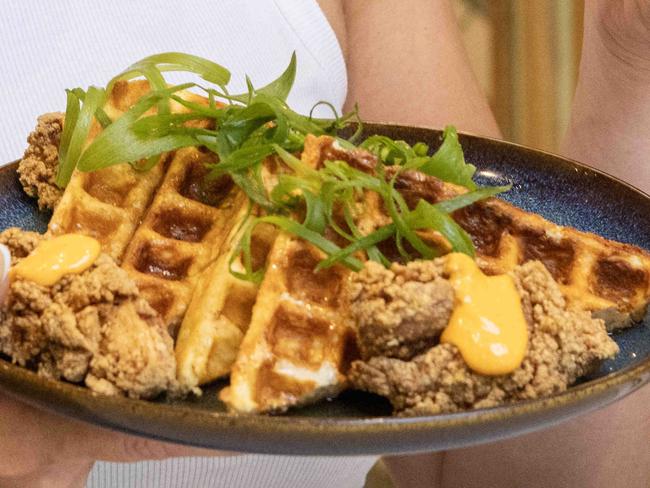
(75, 133)
(319, 205)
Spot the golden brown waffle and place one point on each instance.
(607, 278)
(108, 204)
(220, 312)
(182, 233)
(297, 347)
(300, 340)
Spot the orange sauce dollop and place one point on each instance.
(488, 324)
(52, 259)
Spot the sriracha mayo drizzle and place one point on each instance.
(52, 259)
(488, 324)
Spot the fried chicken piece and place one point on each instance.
(38, 167)
(91, 327)
(20, 242)
(400, 311)
(563, 346)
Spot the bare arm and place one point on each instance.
(407, 64)
(610, 126)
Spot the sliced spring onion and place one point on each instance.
(427, 216)
(361, 244)
(248, 128)
(279, 88)
(465, 199)
(448, 162)
(253, 188)
(79, 127)
(66, 165)
(242, 159)
(298, 167)
(174, 61)
(118, 143)
(292, 227)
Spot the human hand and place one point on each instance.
(43, 449)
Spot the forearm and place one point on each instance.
(407, 64)
(610, 125)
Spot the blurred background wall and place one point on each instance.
(525, 54)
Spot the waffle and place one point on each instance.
(219, 313)
(297, 347)
(108, 204)
(609, 279)
(163, 242)
(300, 340)
(182, 232)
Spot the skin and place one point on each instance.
(406, 64)
(40, 449)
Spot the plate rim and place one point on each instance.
(364, 433)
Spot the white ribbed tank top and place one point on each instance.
(50, 46)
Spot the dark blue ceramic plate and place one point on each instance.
(563, 191)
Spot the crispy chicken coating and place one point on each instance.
(563, 346)
(91, 327)
(37, 168)
(20, 242)
(400, 311)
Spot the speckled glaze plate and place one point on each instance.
(563, 191)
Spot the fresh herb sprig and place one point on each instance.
(250, 127)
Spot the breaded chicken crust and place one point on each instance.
(401, 311)
(563, 346)
(91, 327)
(37, 169)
